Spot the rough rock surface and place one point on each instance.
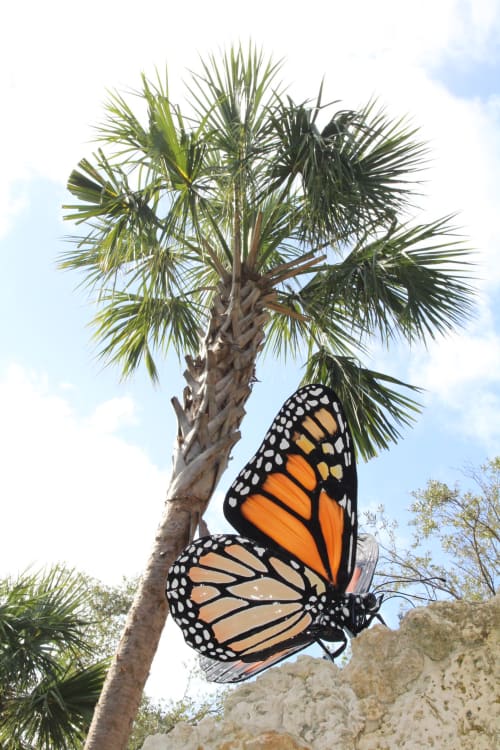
(434, 683)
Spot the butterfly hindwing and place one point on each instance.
(237, 671)
(299, 490)
(236, 600)
(366, 562)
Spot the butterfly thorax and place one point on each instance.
(333, 610)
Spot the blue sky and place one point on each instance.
(85, 457)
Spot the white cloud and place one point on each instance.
(462, 376)
(54, 83)
(12, 204)
(457, 364)
(475, 27)
(480, 417)
(113, 414)
(72, 489)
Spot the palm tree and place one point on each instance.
(241, 224)
(48, 682)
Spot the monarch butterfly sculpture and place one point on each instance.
(298, 573)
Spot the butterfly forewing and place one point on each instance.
(236, 600)
(299, 490)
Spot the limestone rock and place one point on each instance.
(435, 682)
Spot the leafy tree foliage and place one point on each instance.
(463, 529)
(53, 626)
(157, 717)
(107, 607)
(48, 682)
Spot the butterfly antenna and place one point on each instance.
(431, 580)
(407, 598)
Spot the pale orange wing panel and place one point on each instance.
(249, 618)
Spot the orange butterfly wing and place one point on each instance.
(299, 490)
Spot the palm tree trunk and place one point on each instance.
(218, 386)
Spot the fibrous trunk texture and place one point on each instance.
(218, 386)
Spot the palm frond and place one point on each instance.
(123, 223)
(354, 173)
(104, 191)
(302, 323)
(123, 129)
(384, 155)
(288, 327)
(47, 692)
(413, 281)
(56, 712)
(375, 410)
(132, 326)
(36, 612)
(232, 99)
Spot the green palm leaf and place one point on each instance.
(354, 173)
(374, 409)
(413, 281)
(55, 713)
(132, 326)
(47, 690)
